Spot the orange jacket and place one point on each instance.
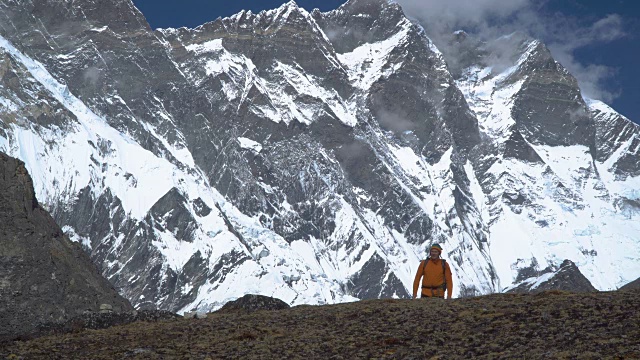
(433, 278)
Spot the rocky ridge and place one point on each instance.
(567, 278)
(44, 277)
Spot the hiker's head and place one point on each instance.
(435, 251)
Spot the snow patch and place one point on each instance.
(369, 62)
(249, 144)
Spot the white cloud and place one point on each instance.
(461, 13)
(563, 34)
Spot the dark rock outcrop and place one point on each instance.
(251, 302)
(567, 277)
(44, 277)
(635, 284)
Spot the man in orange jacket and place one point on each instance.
(435, 274)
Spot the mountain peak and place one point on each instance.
(290, 4)
(367, 6)
(280, 13)
(460, 35)
(289, 8)
(567, 277)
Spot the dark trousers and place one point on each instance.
(423, 296)
(435, 292)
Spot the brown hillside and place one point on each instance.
(635, 284)
(551, 324)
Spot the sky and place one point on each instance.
(598, 41)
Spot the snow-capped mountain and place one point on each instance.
(312, 157)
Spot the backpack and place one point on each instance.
(444, 269)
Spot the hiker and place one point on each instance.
(435, 274)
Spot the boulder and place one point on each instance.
(251, 302)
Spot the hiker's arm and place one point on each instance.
(447, 274)
(416, 281)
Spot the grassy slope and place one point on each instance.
(551, 324)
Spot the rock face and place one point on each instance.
(44, 277)
(251, 302)
(567, 277)
(313, 157)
